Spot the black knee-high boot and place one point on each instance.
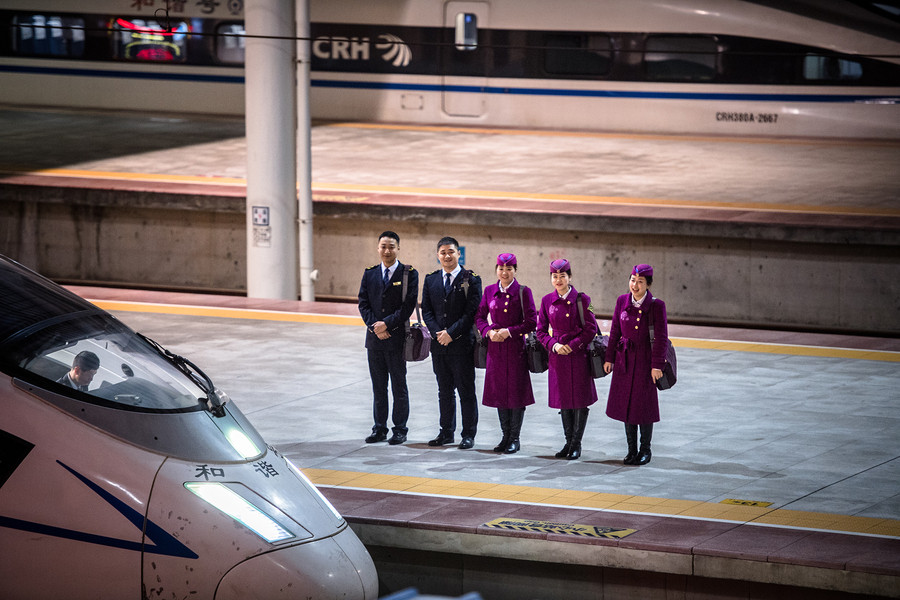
(503, 413)
(567, 418)
(581, 415)
(517, 415)
(631, 434)
(644, 454)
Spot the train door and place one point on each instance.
(465, 58)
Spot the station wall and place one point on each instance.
(707, 273)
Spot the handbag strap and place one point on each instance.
(650, 321)
(580, 309)
(406, 270)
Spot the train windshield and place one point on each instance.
(98, 359)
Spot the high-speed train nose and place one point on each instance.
(334, 567)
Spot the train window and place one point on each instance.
(48, 35)
(830, 68)
(681, 58)
(466, 37)
(147, 40)
(128, 371)
(230, 43)
(577, 54)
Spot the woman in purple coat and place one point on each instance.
(636, 365)
(507, 384)
(566, 333)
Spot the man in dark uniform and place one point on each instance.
(385, 310)
(450, 298)
(84, 367)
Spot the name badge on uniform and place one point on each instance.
(398, 283)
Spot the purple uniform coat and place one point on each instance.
(632, 393)
(569, 378)
(507, 383)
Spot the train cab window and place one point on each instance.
(466, 32)
(230, 43)
(147, 40)
(681, 58)
(123, 370)
(830, 69)
(577, 54)
(48, 35)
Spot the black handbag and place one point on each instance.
(417, 342)
(536, 355)
(670, 370)
(596, 348)
(481, 348)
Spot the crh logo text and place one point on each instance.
(390, 48)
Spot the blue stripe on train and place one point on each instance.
(469, 89)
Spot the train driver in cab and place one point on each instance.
(84, 367)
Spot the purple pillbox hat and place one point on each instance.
(642, 271)
(507, 258)
(560, 265)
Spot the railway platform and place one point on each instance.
(774, 470)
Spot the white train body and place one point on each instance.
(141, 487)
(723, 67)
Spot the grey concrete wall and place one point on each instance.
(706, 272)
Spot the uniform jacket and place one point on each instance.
(454, 312)
(377, 303)
(569, 378)
(632, 394)
(507, 383)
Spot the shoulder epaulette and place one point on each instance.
(435, 271)
(370, 268)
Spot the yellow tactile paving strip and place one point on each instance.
(603, 501)
(271, 315)
(319, 188)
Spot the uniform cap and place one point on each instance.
(507, 258)
(642, 271)
(560, 265)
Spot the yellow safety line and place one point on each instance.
(273, 315)
(229, 313)
(796, 141)
(605, 501)
(324, 188)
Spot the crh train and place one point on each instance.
(126, 473)
(826, 68)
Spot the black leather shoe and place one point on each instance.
(397, 438)
(466, 443)
(441, 440)
(376, 437)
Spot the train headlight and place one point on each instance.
(241, 510)
(242, 444)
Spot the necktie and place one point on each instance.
(447, 286)
(387, 277)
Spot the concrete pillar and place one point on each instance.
(271, 167)
(308, 273)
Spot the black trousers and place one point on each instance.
(456, 372)
(383, 366)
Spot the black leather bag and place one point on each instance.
(417, 343)
(670, 370)
(596, 348)
(481, 348)
(597, 353)
(537, 356)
